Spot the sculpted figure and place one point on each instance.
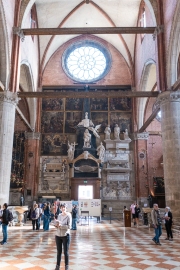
(70, 151)
(87, 139)
(107, 132)
(126, 135)
(101, 152)
(116, 132)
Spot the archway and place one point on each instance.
(148, 80)
(26, 83)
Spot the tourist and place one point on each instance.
(5, 222)
(74, 217)
(168, 223)
(156, 220)
(1, 213)
(137, 211)
(63, 225)
(132, 208)
(35, 217)
(46, 217)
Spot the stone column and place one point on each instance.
(141, 176)
(8, 102)
(32, 165)
(170, 124)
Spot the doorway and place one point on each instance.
(85, 192)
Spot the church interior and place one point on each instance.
(90, 109)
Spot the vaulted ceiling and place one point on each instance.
(77, 13)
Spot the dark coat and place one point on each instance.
(5, 216)
(170, 221)
(74, 213)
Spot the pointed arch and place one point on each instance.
(26, 83)
(174, 48)
(4, 49)
(148, 80)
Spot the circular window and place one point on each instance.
(86, 61)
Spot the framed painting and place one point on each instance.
(72, 120)
(52, 104)
(52, 122)
(99, 104)
(100, 118)
(120, 104)
(74, 104)
(122, 119)
(54, 144)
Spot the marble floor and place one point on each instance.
(99, 246)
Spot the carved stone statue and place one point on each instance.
(87, 123)
(87, 139)
(116, 132)
(126, 135)
(107, 132)
(101, 152)
(70, 151)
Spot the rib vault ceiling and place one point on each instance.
(98, 13)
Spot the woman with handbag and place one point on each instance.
(63, 225)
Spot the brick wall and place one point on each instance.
(119, 73)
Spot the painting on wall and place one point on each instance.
(122, 119)
(54, 144)
(72, 120)
(52, 122)
(53, 104)
(99, 104)
(74, 104)
(100, 118)
(120, 104)
(18, 161)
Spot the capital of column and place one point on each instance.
(141, 136)
(169, 96)
(9, 97)
(32, 135)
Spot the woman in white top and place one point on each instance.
(63, 225)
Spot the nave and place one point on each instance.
(99, 246)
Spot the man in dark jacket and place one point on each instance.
(5, 221)
(74, 217)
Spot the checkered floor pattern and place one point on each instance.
(99, 246)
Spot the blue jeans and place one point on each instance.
(158, 232)
(74, 223)
(4, 231)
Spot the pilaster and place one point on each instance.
(32, 165)
(141, 179)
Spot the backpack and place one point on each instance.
(10, 216)
(33, 215)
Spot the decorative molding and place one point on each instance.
(9, 97)
(141, 136)
(86, 155)
(169, 96)
(32, 135)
